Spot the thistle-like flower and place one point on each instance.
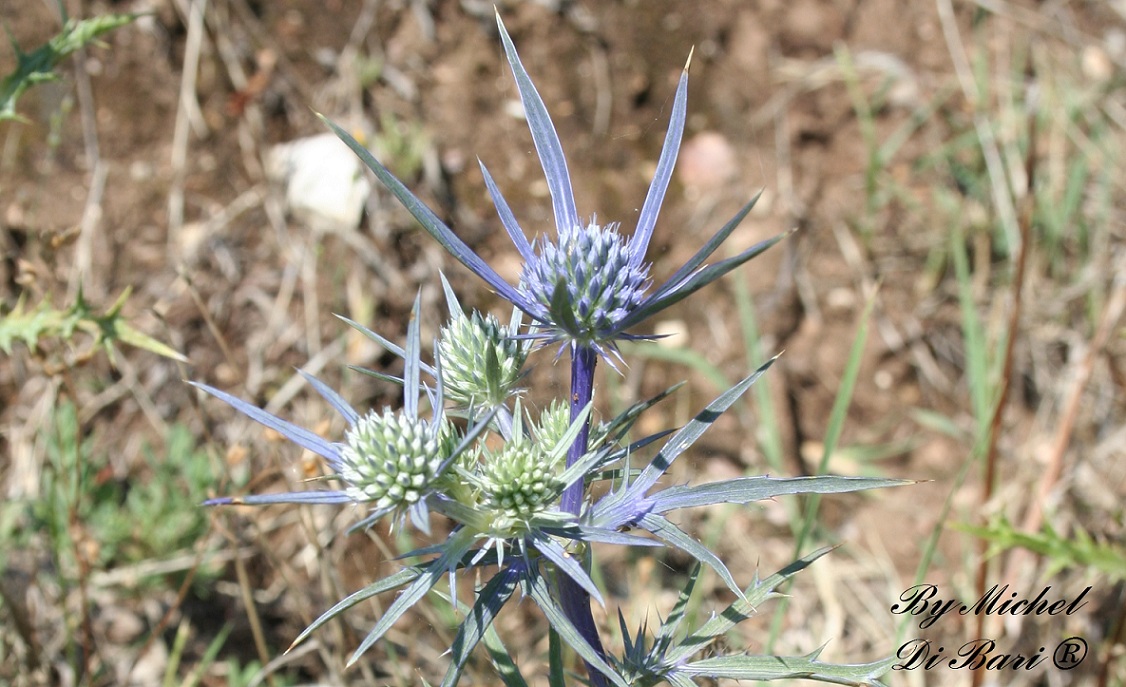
(554, 422)
(583, 288)
(589, 284)
(391, 462)
(482, 360)
(519, 479)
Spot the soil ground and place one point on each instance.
(145, 168)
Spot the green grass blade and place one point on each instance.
(556, 673)
(837, 417)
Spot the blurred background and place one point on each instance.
(950, 308)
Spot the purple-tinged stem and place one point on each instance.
(573, 598)
(576, 604)
(583, 360)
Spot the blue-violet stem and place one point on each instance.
(576, 605)
(575, 600)
(583, 360)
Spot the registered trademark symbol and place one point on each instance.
(1070, 653)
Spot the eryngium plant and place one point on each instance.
(517, 489)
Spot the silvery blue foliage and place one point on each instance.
(515, 486)
(591, 283)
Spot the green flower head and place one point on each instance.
(520, 479)
(390, 460)
(481, 360)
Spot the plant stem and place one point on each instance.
(583, 360)
(574, 599)
(576, 604)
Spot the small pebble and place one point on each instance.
(706, 162)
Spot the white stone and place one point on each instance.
(325, 185)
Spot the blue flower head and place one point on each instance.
(586, 282)
(589, 284)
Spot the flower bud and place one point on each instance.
(390, 460)
(520, 479)
(481, 361)
(555, 420)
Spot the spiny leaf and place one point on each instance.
(432, 573)
(33, 326)
(616, 428)
(38, 65)
(566, 563)
(429, 221)
(479, 620)
(1077, 550)
(707, 249)
(673, 293)
(671, 534)
(748, 489)
(400, 578)
(537, 588)
(671, 624)
(620, 508)
(501, 657)
(757, 593)
(692, 431)
(788, 667)
(502, 660)
(393, 347)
